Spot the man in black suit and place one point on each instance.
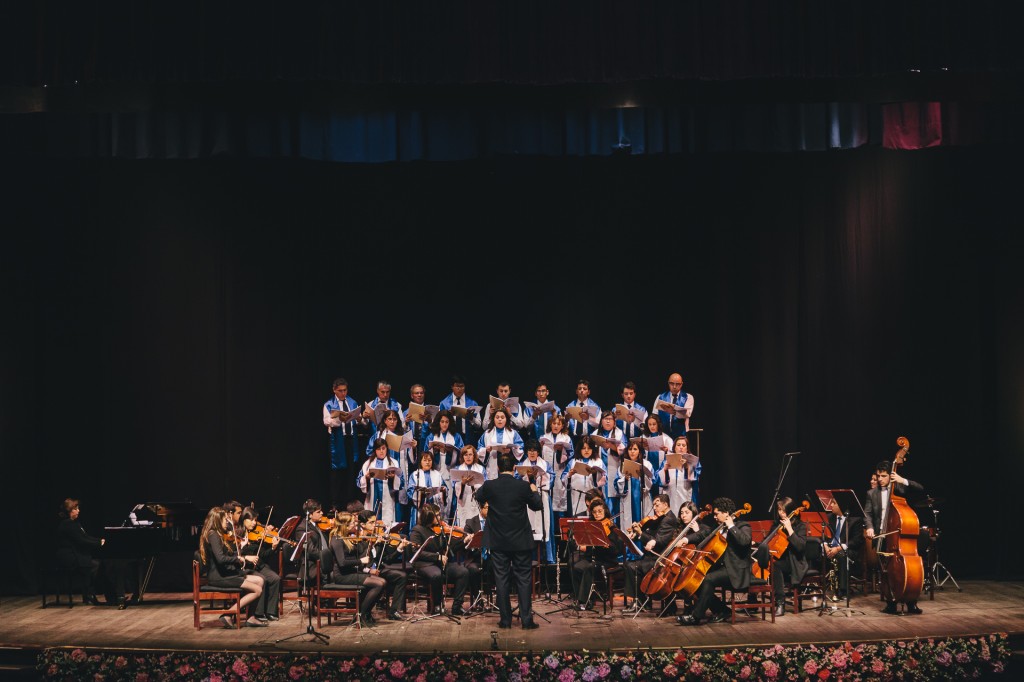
(509, 538)
(732, 570)
(845, 540)
(889, 483)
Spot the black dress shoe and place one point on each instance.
(719, 617)
(531, 626)
(255, 623)
(90, 600)
(687, 619)
(914, 610)
(458, 611)
(122, 605)
(272, 617)
(504, 626)
(890, 609)
(780, 610)
(394, 616)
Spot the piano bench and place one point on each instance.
(57, 581)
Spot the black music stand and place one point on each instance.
(846, 501)
(582, 531)
(485, 595)
(301, 552)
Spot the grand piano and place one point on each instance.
(150, 530)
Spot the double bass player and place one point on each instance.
(890, 484)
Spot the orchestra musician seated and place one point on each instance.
(588, 559)
(654, 534)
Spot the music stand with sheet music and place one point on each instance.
(848, 503)
(484, 597)
(300, 553)
(582, 531)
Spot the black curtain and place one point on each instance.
(174, 326)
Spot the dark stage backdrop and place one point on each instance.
(173, 327)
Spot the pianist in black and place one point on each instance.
(225, 566)
(74, 550)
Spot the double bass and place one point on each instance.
(901, 566)
(777, 543)
(658, 582)
(703, 557)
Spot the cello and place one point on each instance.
(901, 566)
(658, 582)
(703, 557)
(777, 543)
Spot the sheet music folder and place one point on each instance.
(584, 531)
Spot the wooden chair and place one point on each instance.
(201, 591)
(335, 600)
(415, 584)
(763, 594)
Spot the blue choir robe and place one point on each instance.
(558, 460)
(541, 421)
(425, 479)
(636, 429)
(577, 429)
(446, 460)
(392, 404)
(658, 445)
(676, 484)
(542, 522)
(670, 424)
(466, 506)
(408, 460)
(461, 426)
(379, 495)
(422, 430)
(494, 437)
(635, 495)
(578, 485)
(341, 436)
(611, 458)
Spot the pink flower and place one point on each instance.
(120, 662)
(729, 658)
(855, 656)
(962, 657)
(144, 677)
(810, 667)
(295, 672)
(78, 656)
(944, 659)
(216, 677)
(98, 678)
(877, 666)
(839, 658)
(771, 669)
(998, 667)
(745, 672)
(422, 677)
(524, 668)
(567, 675)
(450, 677)
(185, 670)
(696, 668)
(823, 674)
(345, 666)
(52, 670)
(890, 652)
(670, 670)
(240, 668)
(603, 670)
(378, 664)
(911, 662)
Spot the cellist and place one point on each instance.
(792, 565)
(655, 534)
(889, 483)
(732, 570)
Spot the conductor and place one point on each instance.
(509, 538)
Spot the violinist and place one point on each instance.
(351, 564)
(433, 561)
(381, 494)
(423, 478)
(587, 559)
(791, 566)
(889, 483)
(540, 521)
(225, 567)
(732, 570)
(635, 493)
(386, 560)
(252, 542)
(653, 534)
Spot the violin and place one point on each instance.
(260, 533)
(902, 567)
(777, 543)
(448, 529)
(325, 523)
(607, 524)
(637, 526)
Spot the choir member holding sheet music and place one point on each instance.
(540, 413)
(657, 444)
(341, 416)
(674, 408)
(463, 488)
(557, 450)
(679, 472)
(464, 409)
(498, 437)
(426, 485)
(585, 471)
(611, 444)
(380, 479)
(583, 413)
(443, 442)
(375, 408)
(537, 471)
(516, 412)
(634, 487)
(418, 415)
(401, 447)
(629, 414)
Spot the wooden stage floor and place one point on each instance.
(165, 622)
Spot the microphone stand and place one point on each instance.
(317, 636)
(787, 459)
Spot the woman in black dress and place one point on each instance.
(74, 550)
(225, 566)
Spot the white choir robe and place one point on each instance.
(425, 479)
(626, 488)
(636, 428)
(674, 483)
(408, 460)
(658, 445)
(466, 506)
(385, 505)
(579, 485)
(495, 437)
(554, 457)
(592, 423)
(540, 521)
(520, 419)
(540, 421)
(447, 459)
(612, 456)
